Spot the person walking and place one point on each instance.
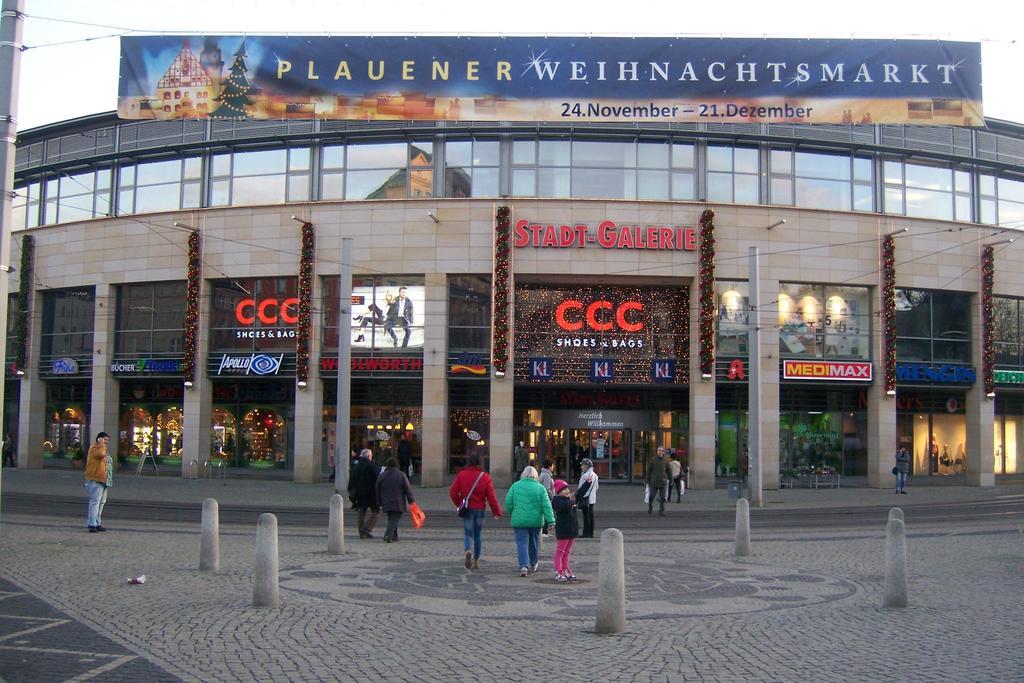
(902, 469)
(362, 490)
(405, 455)
(548, 482)
(476, 486)
(586, 496)
(8, 451)
(394, 492)
(527, 503)
(659, 474)
(676, 470)
(99, 477)
(566, 530)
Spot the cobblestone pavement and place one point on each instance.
(805, 606)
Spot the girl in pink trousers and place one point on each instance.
(566, 530)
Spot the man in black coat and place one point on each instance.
(362, 490)
(405, 455)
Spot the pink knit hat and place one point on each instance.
(559, 485)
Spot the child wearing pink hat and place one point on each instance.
(566, 529)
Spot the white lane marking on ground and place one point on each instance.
(109, 666)
(58, 651)
(41, 627)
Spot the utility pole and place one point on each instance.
(342, 460)
(12, 22)
(754, 383)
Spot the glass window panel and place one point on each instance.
(894, 200)
(951, 352)
(334, 156)
(1011, 213)
(126, 175)
(929, 177)
(720, 187)
(458, 153)
(469, 339)
(746, 189)
(719, 158)
(604, 183)
(554, 152)
(524, 152)
(987, 184)
(928, 204)
(77, 183)
(823, 194)
(913, 313)
(169, 341)
(220, 192)
(421, 153)
(524, 182)
(831, 166)
(862, 169)
(70, 213)
(421, 183)
(298, 159)
(782, 191)
(605, 154)
(298, 187)
(962, 181)
(1004, 313)
(391, 154)
(745, 160)
(485, 182)
(190, 195)
(652, 185)
(126, 200)
(781, 161)
(988, 211)
(332, 186)
(863, 198)
(258, 190)
(256, 163)
(486, 152)
(652, 155)
(951, 315)
(684, 186)
(553, 182)
(374, 184)
(102, 179)
(1011, 190)
(134, 342)
(193, 168)
(893, 171)
(1007, 355)
(914, 349)
(157, 198)
(682, 156)
(159, 172)
(221, 165)
(963, 207)
(458, 182)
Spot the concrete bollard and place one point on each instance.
(742, 528)
(611, 584)
(265, 581)
(209, 548)
(895, 594)
(336, 528)
(896, 513)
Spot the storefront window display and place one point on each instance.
(223, 436)
(65, 433)
(264, 439)
(824, 321)
(251, 424)
(732, 319)
(934, 428)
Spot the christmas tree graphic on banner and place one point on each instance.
(234, 97)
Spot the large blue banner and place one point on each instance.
(551, 79)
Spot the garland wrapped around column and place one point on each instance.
(889, 312)
(682, 348)
(195, 271)
(988, 347)
(706, 286)
(28, 246)
(502, 275)
(306, 258)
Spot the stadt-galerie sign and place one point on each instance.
(559, 78)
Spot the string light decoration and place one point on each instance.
(195, 268)
(988, 347)
(889, 312)
(502, 284)
(28, 246)
(234, 97)
(306, 257)
(682, 336)
(706, 292)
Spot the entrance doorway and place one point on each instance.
(610, 450)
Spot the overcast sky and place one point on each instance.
(75, 79)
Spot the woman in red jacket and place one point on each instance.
(476, 485)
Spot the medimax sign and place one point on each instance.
(606, 235)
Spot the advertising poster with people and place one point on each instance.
(387, 316)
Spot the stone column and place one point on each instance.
(307, 460)
(32, 404)
(434, 441)
(105, 401)
(980, 413)
(881, 409)
(501, 428)
(702, 406)
(198, 403)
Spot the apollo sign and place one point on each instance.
(828, 371)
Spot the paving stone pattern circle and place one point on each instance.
(654, 588)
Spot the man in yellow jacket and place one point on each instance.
(99, 477)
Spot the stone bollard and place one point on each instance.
(264, 586)
(895, 594)
(336, 528)
(896, 513)
(611, 584)
(742, 528)
(209, 548)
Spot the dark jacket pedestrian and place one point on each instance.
(566, 530)
(405, 456)
(902, 469)
(362, 490)
(394, 493)
(659, 474)
(8, 451)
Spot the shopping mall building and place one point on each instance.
(582, 289)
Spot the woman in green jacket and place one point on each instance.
(528, 504)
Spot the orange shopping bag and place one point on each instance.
(418, 516)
